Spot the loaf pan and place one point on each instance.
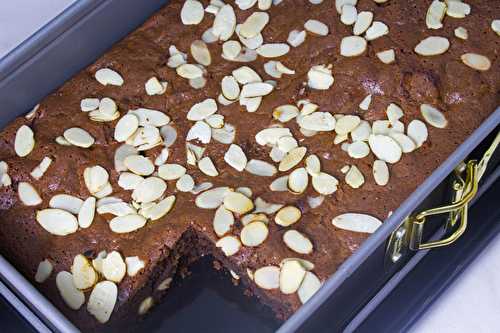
(76, 38)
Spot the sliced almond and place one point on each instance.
(296, 37)
(24, 141)
(292, 158)
(150, 189)
(287, 143)
(476, 61)
(171, 171)
(261, 168)
(346, 124)
(129, 180)
(385, 148)
(380, 172)
(309, 286)
(298, 180)
(154, 87)
(354, 178)
(287, 216)
(41, 168)
(365, 103)
(457, 9)
(107, 76)
(235, 157)
(230, 245)
(212, 198)
(230, 87)
(223, 221)
(97, 262)
(431, 46)
(297, 242)
(231, 49)
(200, 53)
(254, 233)
(357, 222)
(285, 113)
(118, 208)
(245, 75)
(113, 267)
(202, 110)
(417, 131)
(291, 275)
(256, 89)
(28, 194)
(315, 202)
(89, 104)
(149, 117)
(376, 30)
(324, 183)
(121, 153)
(320, 77)
(139, 165)
(102, 300)
(192, 12)
(127, 223)
(273, 50)
(200, 131)
(435, 15)
(57, 222)
(224, 23)
(363, 22)
(254, 24)
(313, 165)
(73, 297)
(185, 183)
(84, 275)
(316, 27)
(127, 126)
(279, 184)
(43, 271)
(267, 277)
(433, 116)
(207, 167)
(495, 26)
(317, 121)
(87, 212)
(165, 284)
(387, 56)
(134, 265)
(157, 211)
(461, 32)
(238, 203)
(78, 137)
(352, 46)
(66, 202)
(349, 14)
(189, 71)
(358, 149)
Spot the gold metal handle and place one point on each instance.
(465, 191)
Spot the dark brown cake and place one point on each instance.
(464, 88)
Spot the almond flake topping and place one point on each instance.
(139, 165)
(385, 148)
(377, 30)
(224, 23)
(150, 189)
(28, 194)
(457, 9)
(127, 223)
(267, 277)
(230, 87)
(495, 26)
(134, 265)
(380, 172)
(107, 76)
(254, 233)
(78, 137)
(73, 297)
(461, 32)
(113, 267)
(291, 275)
(223, 221)
(192, 12)
(363, 22)
(254, 24)
(43, 271)
(349, 14)
(354, 178)
(87, 212)
(387, 56)
(433, 116)
(261, 168)
(154, 87)
(476, 61)
(296, 37)
(320, 77)
(202, 110)
(66, 202)
(235, 157)
(57, 221)
(297, 242)
(159, 210)
(84, 275)
(352, 46)
(431, 46)
(273, 50)
(316, 27)
(212, 198)
(24, 141)
(207, 167)
(435, 15)
(238, 203)
(324, 183)
(89, 104)
(41, 168)
(230, 245)
(102, 300)
(287, 216)
(185, 183)
(417, 131)
(292, 158)
(309, 286)
(357, 222)
(125, 127)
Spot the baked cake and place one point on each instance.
(273, 135)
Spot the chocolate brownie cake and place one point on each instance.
(272, 135)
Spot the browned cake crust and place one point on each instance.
(465, 96)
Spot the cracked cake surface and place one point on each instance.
(312, 144)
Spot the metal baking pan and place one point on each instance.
(75, 39)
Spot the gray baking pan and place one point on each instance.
(75, 39)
